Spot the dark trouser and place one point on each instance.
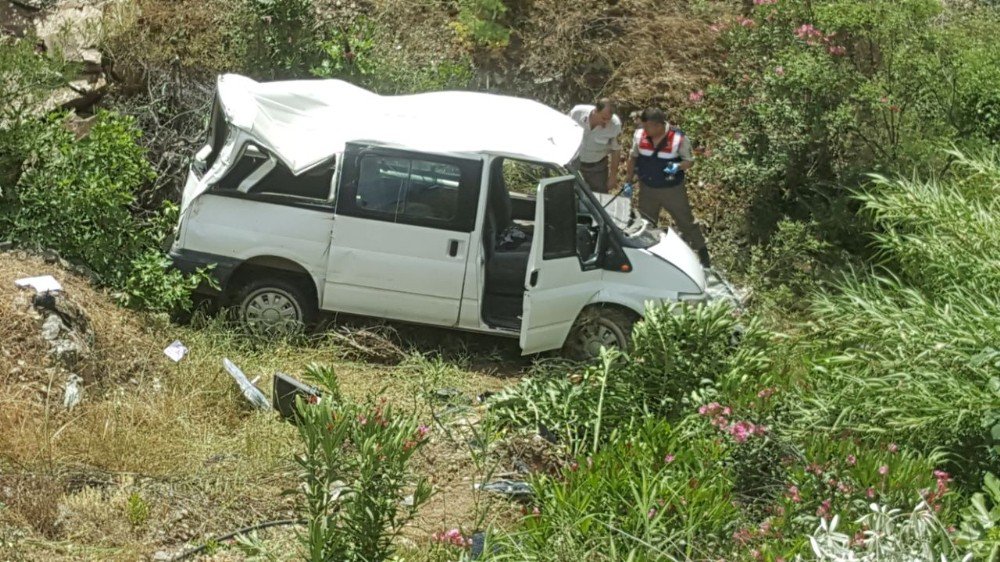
(595, 174)
(675, 201)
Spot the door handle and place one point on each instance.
(533, 280)
(453, 248)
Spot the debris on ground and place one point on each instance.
(73, 393)
(252, 393)
(516, 490)
(176, 351)
(286, 389)
(369, 344)
(41, 284)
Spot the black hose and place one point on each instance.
(234, 534)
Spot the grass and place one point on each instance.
(159, 455)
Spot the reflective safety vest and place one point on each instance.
(653, 159)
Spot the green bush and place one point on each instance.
(74, 196)
(363, 54)
(912, 357)
(816, 94)
(277, 39)
(646, 495)
(354, 474)
(480, 23)
(680, 353)
(77, 197)
(580, 409)
(786, 270)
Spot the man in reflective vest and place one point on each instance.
(660, 156)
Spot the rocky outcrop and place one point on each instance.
(72, 30)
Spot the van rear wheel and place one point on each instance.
(275, 306)
(598, 327)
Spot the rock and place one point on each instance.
(52, 327)
(6, 245)
(33, 4)
(73, 28)
(162, 556)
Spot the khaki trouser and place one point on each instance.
(595, 174)
(675, 201)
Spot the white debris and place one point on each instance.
(41, 284)
(253, 394)
(176, 351)
(73, 393)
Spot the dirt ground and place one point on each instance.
(158, 457)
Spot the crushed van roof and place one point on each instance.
(305, 122)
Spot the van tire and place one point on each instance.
(596, 326)
(275, 306)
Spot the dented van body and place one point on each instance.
(451, 209)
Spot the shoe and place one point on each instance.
(706, 262)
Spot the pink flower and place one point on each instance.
(883, 470)
(824, 509)
(870, 492)
(807, 31)
(362, 419)
(851, 460)
(742, 536)
(764, 2)
(696, 96)
(718, 26)
(793, 494)
(893, 448)
(741, 431)
(668, 459)
(535, 511)
(652, 513)
(747, 22)
(422, 431)
(453, 537)
(837, 50)
(767, 392)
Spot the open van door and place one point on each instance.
(563, 272)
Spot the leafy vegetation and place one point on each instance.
(855, 412)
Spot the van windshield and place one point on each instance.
(626, 221)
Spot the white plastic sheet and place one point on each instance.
(41, 284)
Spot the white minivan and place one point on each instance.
(449, 209)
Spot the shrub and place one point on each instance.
(480, 23)
(76, 197)
(581, 409)
(277, 39)
(788, 268)
(363, 54)
(677, 351)
(816, 94)
(911, 357)
(354, 471)
(647, 495)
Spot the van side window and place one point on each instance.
(407, 189)
(256, 172)
(314, 184)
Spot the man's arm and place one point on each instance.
(687, 157)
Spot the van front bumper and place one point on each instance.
(221, 268)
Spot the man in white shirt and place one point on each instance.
(599, 150)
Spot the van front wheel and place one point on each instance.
(275, 306)
(598, 327)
